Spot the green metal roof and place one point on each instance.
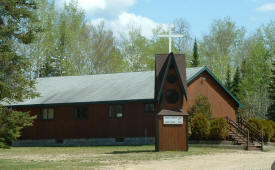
(102, 88)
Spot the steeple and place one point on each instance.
(170, 79)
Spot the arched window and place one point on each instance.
(171, 96)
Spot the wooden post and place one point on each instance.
(262, 143)
(247, 142)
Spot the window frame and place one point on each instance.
(144, 108)
(172, 91)
(169, 77)
(76, 109)
(115, 117)
(47, 108)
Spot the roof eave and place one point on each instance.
(218, 81)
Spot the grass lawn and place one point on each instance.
(88, 157)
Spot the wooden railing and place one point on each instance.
(246, 130)
(235, 128)
(255, 134)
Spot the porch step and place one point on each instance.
(254, 147)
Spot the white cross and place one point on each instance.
(170, 36)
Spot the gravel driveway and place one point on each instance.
(239, 160)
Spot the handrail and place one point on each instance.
(256, 134)
(247, 130)
(242, 120)
(236, 126)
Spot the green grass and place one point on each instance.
(88, 157)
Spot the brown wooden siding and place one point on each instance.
(172, 137)
(135, 123)
(221, 103)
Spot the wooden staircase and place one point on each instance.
(244, 134)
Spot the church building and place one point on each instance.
(119, 108)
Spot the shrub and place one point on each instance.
(263, 125)
(218, 129)
(267, 129)
(273, 136)
(201, 105)
(200, 127)
(11, 123)
(256, 123)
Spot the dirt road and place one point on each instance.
(239, 160)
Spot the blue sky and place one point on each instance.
(147, 14)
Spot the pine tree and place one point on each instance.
(195, 60)
(228, 79)
(235, 88)
(16, 27)
(16, 19)
(271, 90)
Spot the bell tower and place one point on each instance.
(170, 91)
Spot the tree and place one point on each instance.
(255, 74)
(271, 108)
(16, 23)
(74, 40)
(104, 57)
(11, 123)
(195, 59)
(182, 44)
(221, 46)
(202, 106)
(236, 82)
(136, 51)
(228, 84)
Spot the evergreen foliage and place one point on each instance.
(16, 18)
(271, 90)
(256, 123)
(201, 105)
(228, 84)
(11, 123)
(273, 127)
(267, 130)
(218, 129)
(195, 59)
(200, 127)
(17, 27)
(265, 126)
(236, 83)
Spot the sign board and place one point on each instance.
(173, 120)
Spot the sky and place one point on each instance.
(118, 15)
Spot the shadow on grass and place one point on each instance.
(131, 151)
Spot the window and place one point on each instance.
(171, 78)
(81, 113)
(47, 114)
(149, 107)
(171, 96)
(115, 111)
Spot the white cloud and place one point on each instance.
(125, 21)
(115, 16)
(266, 7)
(92, 4)
(102, 8)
